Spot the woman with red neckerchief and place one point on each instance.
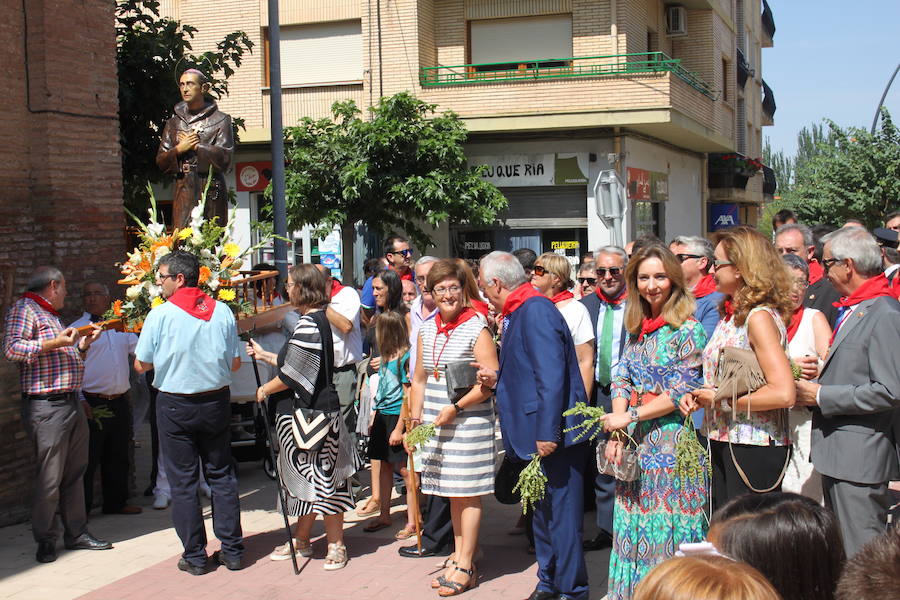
(552, 276)
(458, 461)
(660, 365)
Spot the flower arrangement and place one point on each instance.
(220, 260)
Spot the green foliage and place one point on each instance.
(394, 172)
(591, 425)
(688, 450)
(419, 435)
(151, 53)
(532, 484)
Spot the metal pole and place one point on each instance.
(277, 135)
(883, 96)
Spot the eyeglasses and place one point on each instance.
(407, 252)
(718, 264)
(829, 262)
(539, 270)
(613, 271)
(683, 257)
(801, 283)
(164, 277)
(588, 280)
(420, 278)
(443, 291)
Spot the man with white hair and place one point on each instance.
(856, 416)
(696, 257)
(538, 381)
(795, 238)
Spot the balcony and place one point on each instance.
(768, 26)
(743, 69)
(731, 170)
(620, 65)
(770, 182)
(768, 104)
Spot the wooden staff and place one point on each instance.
(115, 324)
(412, 490)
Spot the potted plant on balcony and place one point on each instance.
(731, 170)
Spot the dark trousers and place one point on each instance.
(437, 528)
(109, 450)
(761, 465)
(59, 432)
(558, 520)
(192, 429)
(154, 432)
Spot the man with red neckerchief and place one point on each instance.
(538, 381)
(856, 401)
(795, 238)
(696, 257)
(191, 343)
(398, 255)
(51, 370)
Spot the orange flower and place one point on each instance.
(205, 274)
(117, 308)
(226, 262)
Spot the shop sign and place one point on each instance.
(723, 216)
(564, 245)
(528, 170)
(476, 245)
(253, 176)
(648, 186)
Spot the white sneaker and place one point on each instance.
(161, 501)
(283, 552)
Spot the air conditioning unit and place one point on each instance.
(676, 20)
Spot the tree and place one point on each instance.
(851, 174)
(396, 172)
(151, 53)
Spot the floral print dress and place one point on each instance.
(659, 511)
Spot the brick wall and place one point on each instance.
(60, 176)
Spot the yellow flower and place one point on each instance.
(156, 302)
(227, 294)
(232, 249)
(185, 233)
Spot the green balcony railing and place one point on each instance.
(564, 68)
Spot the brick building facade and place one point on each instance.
(60, 178)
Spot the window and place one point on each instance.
(647, 218)
(725, 80)
(321, 53)
(507, 44)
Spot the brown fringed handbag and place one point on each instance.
(738, 374)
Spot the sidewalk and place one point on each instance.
(142, 565)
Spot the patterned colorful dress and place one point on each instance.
(659, 511)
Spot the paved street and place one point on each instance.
(143, 563)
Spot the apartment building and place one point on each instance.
(557, 94)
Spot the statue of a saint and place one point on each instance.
(196, 136)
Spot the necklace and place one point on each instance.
(436, 373)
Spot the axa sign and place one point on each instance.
(722, 216)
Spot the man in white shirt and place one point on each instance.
(107, 406)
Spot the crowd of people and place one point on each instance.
(775, 354)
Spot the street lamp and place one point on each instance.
(883, 96)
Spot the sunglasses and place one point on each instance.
(683, 257)
(613, 271)
(588, 280)
(539, 270)
(407, 253)
(718, 264)
(829, 262)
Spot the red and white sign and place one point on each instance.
(253, 176)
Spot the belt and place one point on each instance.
(350, 367)
(103, 396)
(199, 394)
(54, 396)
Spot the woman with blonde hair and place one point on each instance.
(552, 276)
(749, 440)
(707, 577)
(661, 363)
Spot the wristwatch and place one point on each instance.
(458, 408)
(634, 414)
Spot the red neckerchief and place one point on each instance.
(42, 302)
(563, 295)
(728, 309)
(408, 276)
(518, 297)
(816, 271)
(335, 287)
(463, 316)
(480, 306)
(872, 288)
(648, 326)
(611, 301)
(194, 302)
(795, 323)
(705, 287)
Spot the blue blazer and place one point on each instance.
(539, 379)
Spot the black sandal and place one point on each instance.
(458, 588)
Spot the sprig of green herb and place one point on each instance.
(688, 450)
(420, 434)
(796, 371)
(532, 484)
(100, 412)
(591, 424)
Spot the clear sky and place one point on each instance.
(831, 59)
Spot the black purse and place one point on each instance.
(506, 479)
(459, 376)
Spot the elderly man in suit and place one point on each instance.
(856, 419)
(538, 380)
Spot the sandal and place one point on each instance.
(458, 588)
(336, 557)
(372, 507)
(440, 579)
(375, 525)
(301, 548)
(407, 532)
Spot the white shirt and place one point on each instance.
(347, 346)
(416, 320)
(579, 321)
(106, 366)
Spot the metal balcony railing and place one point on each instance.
(643, 63)
(768, 101)
(768, 21)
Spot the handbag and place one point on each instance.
(310, 426)
(506, 479)
(738, 374)
(629, 469)
(459, 376)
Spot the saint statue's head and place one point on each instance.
(193, 86)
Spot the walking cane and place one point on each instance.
(412, 495)
(282, 494)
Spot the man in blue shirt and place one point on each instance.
(191, 343)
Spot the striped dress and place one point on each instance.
(459, 460)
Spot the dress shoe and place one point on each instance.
(184, 565)
(86, 541)
(232, 564)
(46, 552)
(542, 595)
(601, 540)
(413, 552)
(128, 509)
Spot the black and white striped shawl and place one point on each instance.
(300, 363)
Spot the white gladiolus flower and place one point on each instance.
(156, 229)
(154, 290)
(213, 282)
(160, 252)
(133, 291)
(205, 253)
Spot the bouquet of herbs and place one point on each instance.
(591, 423)
(419, 435)
(532, 483)
(688, 451)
